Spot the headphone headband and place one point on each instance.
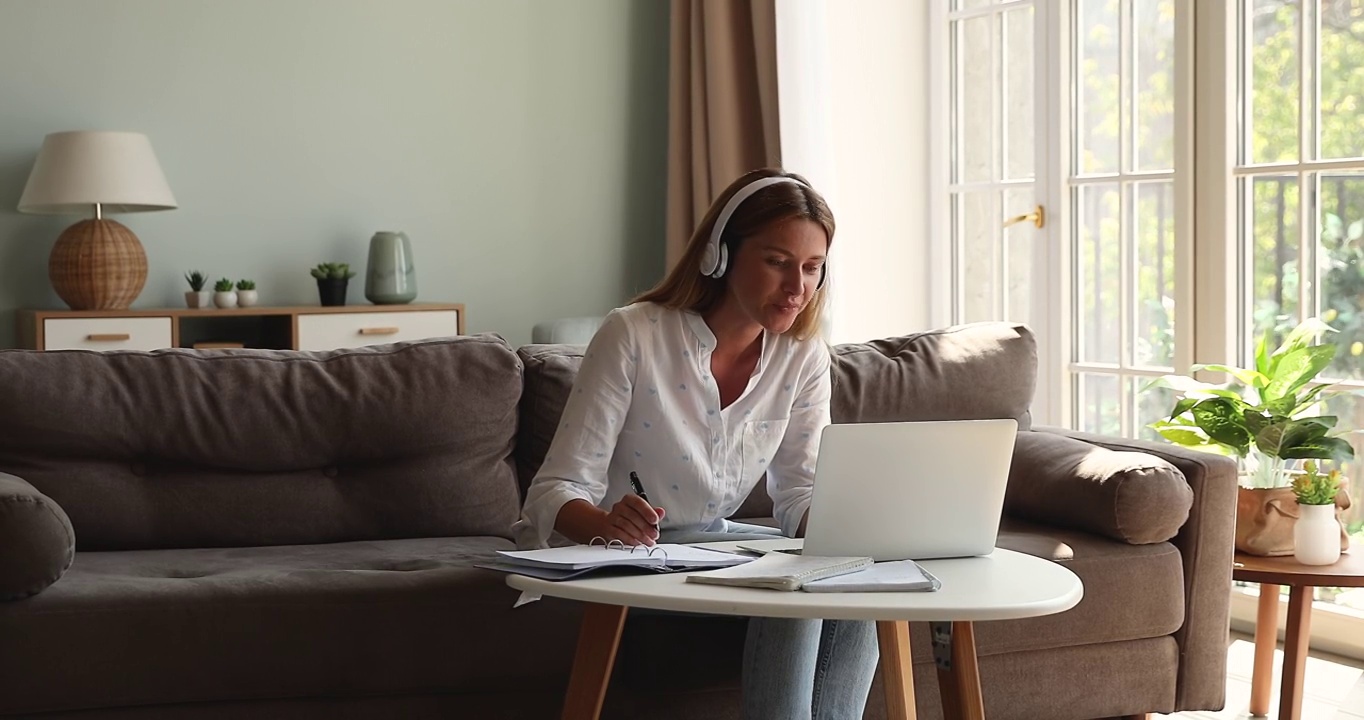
(715, 258)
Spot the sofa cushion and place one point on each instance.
(347, 619)
(36, 540)
(181, 448)
(1129, 496)
(549, 374)
(967, 372)
(1131, 591)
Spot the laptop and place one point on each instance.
(910, 490)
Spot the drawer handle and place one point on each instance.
(379, 331)
(108, 337)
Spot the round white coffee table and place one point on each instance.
(1001, 586)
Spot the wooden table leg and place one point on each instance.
(897, 671)
(1266, 640)
(598, 638)
(1296, 635)
(959, 682)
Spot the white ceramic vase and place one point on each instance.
(1316, 535)
(198, 298)
(225, 299)
(246, 298)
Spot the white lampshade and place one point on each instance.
(77, 170)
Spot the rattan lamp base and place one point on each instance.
(97, 265)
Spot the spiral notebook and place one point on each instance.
(566, 563)
(782, 571)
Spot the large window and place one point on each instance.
(1300, 194)
(1202, 167)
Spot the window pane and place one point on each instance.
(1096, 64)
(1098, 243)
(1342, 77)
(1273, 238)
(1154, 80)
(1019, 241)
(1273, 94)
(1099, 404)
(1150, 405)
(1018, 94)
(1341, 259)
(979, 276)
(976, 94)
(1153, 341)
(1350, 410)
(970, 4)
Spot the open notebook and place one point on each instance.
(564, 563)
(785, 571)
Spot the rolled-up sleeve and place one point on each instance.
(791, 476)
(575, 466)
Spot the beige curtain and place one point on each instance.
(722, 104)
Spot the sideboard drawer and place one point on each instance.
(126, 333)
(329, 331)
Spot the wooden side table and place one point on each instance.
(1270, 573)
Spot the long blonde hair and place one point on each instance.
(686, 288)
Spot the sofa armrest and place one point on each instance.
(1206, 545)
(37, 540)
(1131, 497)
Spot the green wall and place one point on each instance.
(521, 144)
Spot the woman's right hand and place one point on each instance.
(633, 521)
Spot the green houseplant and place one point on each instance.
(1266, 415)
(332, 279)
(246, 293)
(223, 294)
(197, 296)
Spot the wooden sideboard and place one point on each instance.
(280, 328)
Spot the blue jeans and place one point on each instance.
(797, 669)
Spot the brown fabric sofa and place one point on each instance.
(291, 535)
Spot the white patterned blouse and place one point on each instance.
(644, 401)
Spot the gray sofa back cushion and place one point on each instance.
(967, 372)
(180, 448)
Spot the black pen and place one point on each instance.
(639, 490)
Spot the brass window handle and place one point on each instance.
(1037, 216)
(379, 331)
(108, 337)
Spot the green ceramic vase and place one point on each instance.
(391, 278)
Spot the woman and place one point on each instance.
(703, 384)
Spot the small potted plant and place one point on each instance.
(223, 295)
(197, 296)
(332, 279)
(1316, 534)
(246, 293)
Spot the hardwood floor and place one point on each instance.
(1333, 687)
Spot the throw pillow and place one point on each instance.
(1129, 496)
(37, 538)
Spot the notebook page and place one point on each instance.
(781, 571)
(577, 557)
(894, 576)
(692, 556)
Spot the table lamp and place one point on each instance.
(96, 264)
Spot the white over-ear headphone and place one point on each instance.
(715, 258)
